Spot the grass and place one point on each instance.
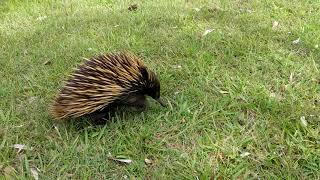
(236, 95)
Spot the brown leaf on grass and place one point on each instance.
(177, 66)
(297, 41)
(214, 8)
(206, 32)
(240, 2)
(147, 161)
(47, 62)
(245, 154)
(158, 135)
(303, 121)
(41, 18)
(274, 94)
(20, 147)
(128, 161)
(133, 7)
(223, 92)
(35, 173)
(3, 132)
(251, 115)
(121, 159)
(291, 78)
(8, 172)
(69, 175)
(32, 99)
(197, 9)
(247, 118)
(80, 148)
(275, 25)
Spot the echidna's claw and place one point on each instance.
(163, 104)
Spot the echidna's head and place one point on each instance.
(152, 86)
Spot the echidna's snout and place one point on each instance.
(160, 101)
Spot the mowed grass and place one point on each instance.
(243, 100)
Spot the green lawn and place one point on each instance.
(244, 100)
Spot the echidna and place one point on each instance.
(104, 81)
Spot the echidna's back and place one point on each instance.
(97, 83)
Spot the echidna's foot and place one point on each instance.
(139, 107)
(100, 117)
(97, 118)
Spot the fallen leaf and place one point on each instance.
(158, 135)
(177, 66)
(31, 99)
(69, 175)
(206, 32)
(40, 18)
(196, 9)
(47, 62)
(147, 161)
(184, 155)
(245, 154)
(9, 171)
(239, 1)
(20, 147)
(224, 92)
(80, 148)
(214, 8)
(34, 173)
(128, 161)
(273, 95)
(133, 7)
(303, 121)
(119, 159)
(296, 41)
(275, 24)
(291, 78)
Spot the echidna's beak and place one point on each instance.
(161, 102)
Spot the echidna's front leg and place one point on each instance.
(135, 100)
(140, 104)
(100, 117)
